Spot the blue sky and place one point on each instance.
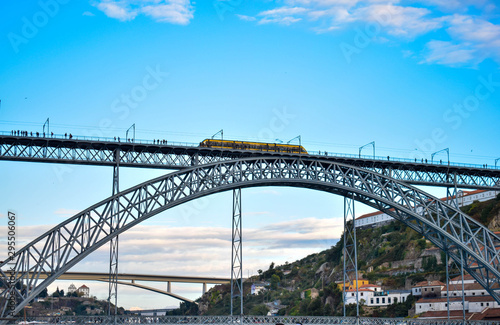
(413, 76)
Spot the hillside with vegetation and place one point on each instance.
(393, 256)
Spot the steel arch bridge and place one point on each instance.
(65, 245)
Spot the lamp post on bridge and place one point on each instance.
(445, 149)
(496, 160)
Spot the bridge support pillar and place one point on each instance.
(452, 198)
(236, 252)
(204, 290)
(350, 252)
(169, 286)
(113, 249)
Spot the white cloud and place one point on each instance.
(447, 53)
(470, 40)
(246, 18)
(472, 29)
(399, 21)
(175, 12)
(283, 15)
(170, 11)
(66, 213)
(87, 13)
(154, 249)
(117, 9)
(475, 39)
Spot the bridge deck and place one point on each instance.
(174, 156)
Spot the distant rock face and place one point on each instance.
(329, 301)
(202, 307)
(323, 269)
(494, 224)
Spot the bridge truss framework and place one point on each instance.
(65, 245)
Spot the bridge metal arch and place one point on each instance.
(65, 245)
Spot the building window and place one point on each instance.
(371, 301)
(361, 294)
(389, 300)
(488, 304)
(383, 300)
(482, 304)
(473, 293)
(420, 307)
(425, 289)
(445, 294)
(378, 300)
(352, 294)
(432, 289)
(446, 305)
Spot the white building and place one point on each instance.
(84, 291)
(376, 219)
(372, 295)
(438, 304)
(476, 298)
(428, 289)
(71, 288)
(467, 279)
(478, 304)
(257, 287)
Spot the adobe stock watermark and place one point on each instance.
(364, 37)
(192, 209)
(223, 6)
(454, 117)
(31, 26)
(277, 124)
(121, 108)
(11, 251)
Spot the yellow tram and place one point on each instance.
(255, 146)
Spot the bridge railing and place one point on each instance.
(101, 139)
(310, 152)
(262, 320)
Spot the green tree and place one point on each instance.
(275, 280)
(56, 293)
(43, 294)
(259, 310)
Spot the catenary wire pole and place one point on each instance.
(300, 142)
(447, 150)
(113, 248)
(236, 252)
(221, 132)
(48, 129)
(350, 252)
(133, 133)
(368, 144)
